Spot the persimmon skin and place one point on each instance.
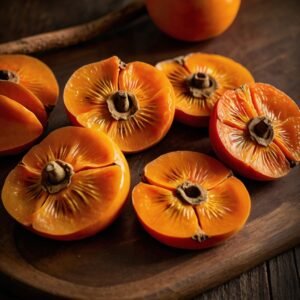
(193, 20)
(189, 120)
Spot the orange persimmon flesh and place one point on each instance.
(23, 96)
(70, 186)
(33, 75)
(20, 127)
(199, 80)
(255, 129)
(190, 200)
(132, 103)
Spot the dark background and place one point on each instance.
(272, 25)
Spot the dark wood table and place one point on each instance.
(274, 28)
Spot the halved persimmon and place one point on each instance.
(190, 200)
(133, 103)
(22, 117)
(32, 74)
(70, 186)
(199, 80)
(255, 129)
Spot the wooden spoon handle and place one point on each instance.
(76, 34)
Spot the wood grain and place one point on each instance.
(284, 268)
(249, 286)
(124, 261)
(76, 34)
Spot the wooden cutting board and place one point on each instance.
(124, 261)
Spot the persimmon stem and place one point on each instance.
(122, 105)
(261, 130)
(56, 176)
(7, 75)
(192, 193)
(201, 85)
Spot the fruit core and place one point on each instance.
(201, 85)
(192, 193)
(122, 105)
(56, 176)
(7, 75)
(261, 131)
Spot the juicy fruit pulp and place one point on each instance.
(133, 103)
(199, 80)
(70, 186)
(256, 130)
(190, 200)
(28, 90)
(31, 74)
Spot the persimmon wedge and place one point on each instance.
(20, 127)
(133, 103)
(255, 129)
(199, 80)
(190, 200)
(32, 74)
(70, 186)
(22, 118)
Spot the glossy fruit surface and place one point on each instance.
(32, 74)
(199, 80)
(70, 186)
(193, 20)
(256, 131)
(133, 103)
(28, 92)
(190, 200)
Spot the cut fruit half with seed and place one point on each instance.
(255, 129)
(133, 103)
(31, 74)
(70, 186)
(190, 200)
(199, 80)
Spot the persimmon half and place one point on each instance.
(193, 20)
(32, 74)
(70, 186)
(199, 80)
(190, 200)
(22, 118)
(255, 129)
(133, 103)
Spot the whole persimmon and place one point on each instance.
(193, 20)
(255, 129)
(133, 103)
(70, 186)
(190, 200)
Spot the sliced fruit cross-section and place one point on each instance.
(255, 129)
(199, 80)
(70, 186)
(190, 200)
(28, 91)
(31, 74)
(133, 103)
